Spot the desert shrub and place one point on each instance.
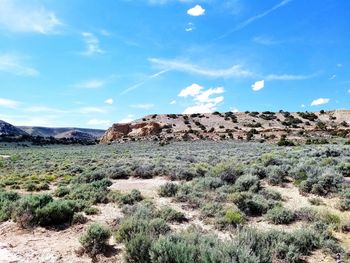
(344, 168)
(94, 192)
(168, 190)
(271, 194)
(324, 184)
(61, 191)
(88, 177)
(25, 210)
(138, 234)
(315, 201)
(119, 172)
(306, 214)
(183, 174)
(277, 175)
(131, 198)
(79, 218)
(144, 171)
(329, 218)
(258, 171)
(95, 239)
(344, 202)
(284, 142)
(234, 217)
(91, 210)
(251, 204)
(280, 215)
(247, 183)
(171, 215)
(228, 173)
(7, 204)
(55, 213)
(211, 210)
(208, 183)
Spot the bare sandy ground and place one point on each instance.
(147, 187)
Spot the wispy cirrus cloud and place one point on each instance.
(92, 44)
(14, 64)
(289, 77)
(255, 18)
(90, 84)
(19, 16)
(144, 106)
(234, 71)
(135, 86)
(7, 103)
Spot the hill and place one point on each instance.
(267, 126)
(78, 133)
(7, 129)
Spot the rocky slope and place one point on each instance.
(7, 129)
(298, 126)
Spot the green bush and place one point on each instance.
(95, 239)
(171, 215)
(27, 207)
(247, 183)
(91, 210)
(7, 204)
(55, 213)
(234, 217)
(280, 215)
(79, 218)
(168, 190)
(251, 204)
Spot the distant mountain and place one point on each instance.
(59, 133)
(7, 129)
(260, 126)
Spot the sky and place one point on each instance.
(89, 63)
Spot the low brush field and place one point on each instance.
(204, 201)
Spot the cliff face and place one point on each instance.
(143, 129)
(262, 126)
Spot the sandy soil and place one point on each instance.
(147, 187)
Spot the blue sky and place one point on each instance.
(90, 63)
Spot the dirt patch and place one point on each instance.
(5, 156)
(44, 246)
(147, 187)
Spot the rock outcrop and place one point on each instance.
(119, 131)
(259, 126)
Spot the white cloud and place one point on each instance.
(302, 105)
(349, 90)
(92, 44)
(13, 64)
(109, 101)
(19, 16)
(173, 102)
(95, 122)
(146, 106)
(127, 119)
(45, 109)
(91, 84)
(234, 71)
(289, 77)
(234, 110)
(264, 40)
(320, 101)
(258, 85)
(190, 27)
(86, 110)
(192, 90)
(203, 102)
(333, 77)
(339, 65)
(6, 103)
(196, 11)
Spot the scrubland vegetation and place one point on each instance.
(254, 202)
